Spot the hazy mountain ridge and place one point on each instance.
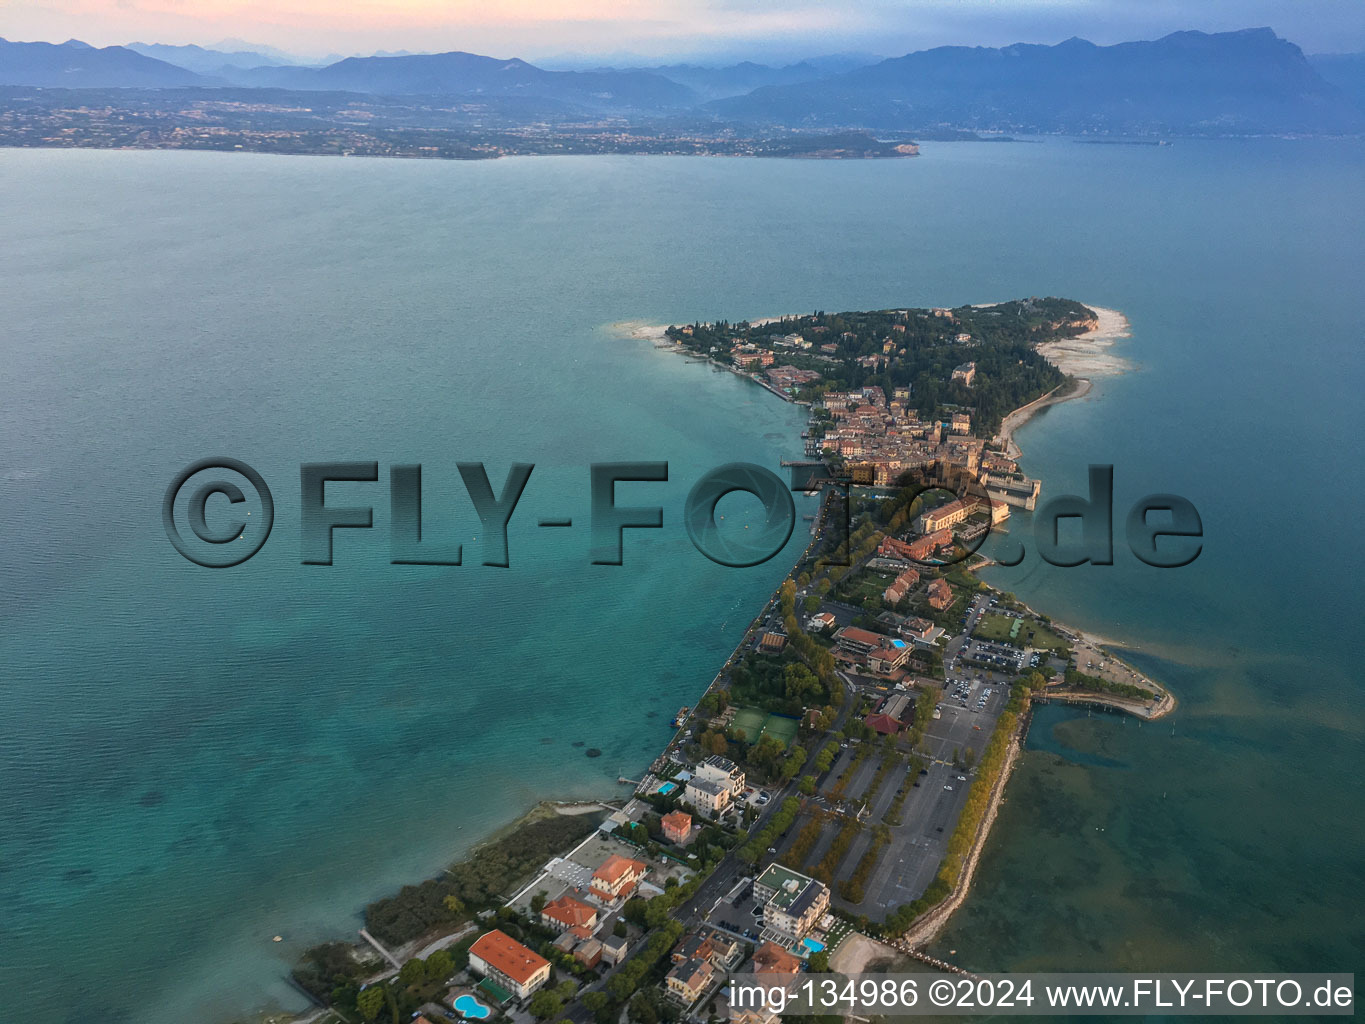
(206, 61)
(740, 79)
(77, 65)
(1247, 82)
(1346, 71)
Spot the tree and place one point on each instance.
(538, 903)
(452, 903)
(440, 964)
(642, 1010)
(370, 1002)
(819, 962)
(413, 972)
(599, 1004)
(596, 1002)
(545, 1004)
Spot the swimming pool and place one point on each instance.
(470, 1008)
(813, 945)
(668, 787)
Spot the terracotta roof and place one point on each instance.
(883, 724)
(678, 821)
(771, 958)
(508, 956)
(616, 867)
(570, 912)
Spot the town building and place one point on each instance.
(713, 947)
(917, 550)
(770, 958)
(772, 643)
(723, 772)
(677, 826)
(616, 878)
(858, 641)
(940, 595)
(890, 657)
(566, 912)
(614, 948)
(688, 981)
(709, 798)
(883, 725)
(821, 622)
(965, 373)
(508, 964)
(792, 903)
(921, 631)
(943, 517)
(589, 953)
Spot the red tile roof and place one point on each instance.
(616, 867)
(771, 958)
(505, 954)
(570, 912)
(883, 724)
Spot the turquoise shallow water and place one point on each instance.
(193, 761)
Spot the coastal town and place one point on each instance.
(286, 122)
(823, 804)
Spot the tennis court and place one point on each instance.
(750, 722)
(756, 723)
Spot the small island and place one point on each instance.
(824, 804)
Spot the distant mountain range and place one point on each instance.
(1233, 82)
(1344, 70)
(1244, 82)
(211, 62)
(456, 74)
(77, 65)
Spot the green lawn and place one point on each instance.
(996, 628)
(867, 584)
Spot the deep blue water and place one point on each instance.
(195, 760)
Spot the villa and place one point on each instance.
(566, 913)
(677, 826)
(616, 878)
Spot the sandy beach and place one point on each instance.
(1088, 355)
(1083, 358)
(641, 330)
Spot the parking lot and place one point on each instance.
(972, 700)
(930, 810)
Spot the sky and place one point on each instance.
(769, 30)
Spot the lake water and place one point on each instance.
(193, 761)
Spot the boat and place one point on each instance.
(680, 717)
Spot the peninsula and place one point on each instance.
(825, 802)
